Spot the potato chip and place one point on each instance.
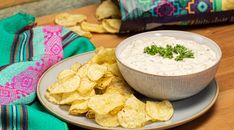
(111, 25)
(107, 9)
(79, 107)
(81, 32)
(69, 85)
(75, 67)
(104, 82)
(95, 71)
(92, 27)
(120, 88)
(107, 120)
(113, 68)
(83, 71)
(86, 86)
(65, 75)
(130, 118)
(52, 86)
(103, 104)
(134, 103)
(54, 98)
(90, 114)
(99, 91)
(159, 111)
(68, 98)
(67, 20)
(116, 110)
(133, 115)
(106, 55)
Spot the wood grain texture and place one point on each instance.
(221, 115)
(9, 3)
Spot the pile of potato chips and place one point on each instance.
(98, 91)
(107, 12)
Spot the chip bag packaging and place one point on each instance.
(142, 15)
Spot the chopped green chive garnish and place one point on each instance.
(169, 51)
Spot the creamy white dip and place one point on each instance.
(133, 56)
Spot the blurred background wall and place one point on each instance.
(40, 7)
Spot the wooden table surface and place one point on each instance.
(221, 115)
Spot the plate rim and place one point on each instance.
(171, 125)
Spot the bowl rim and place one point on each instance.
(169, 31)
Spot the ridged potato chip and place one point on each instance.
(90, 114)
(69, 85)
(95, 71)
(113, 68)
(67, 20)
(130, 118)
(120, 88)
(68, 98)
(92, 27)
(111, 25)
(159, 111)
(103, 104)
(106, 55)
(81, 32)
(75, 67)
(107, 9)
(86, 86)
(65, 75)
(54, 98)
(52, 86)
(104, 82)
(79, 107)
(107, 120)
(133, 115)
(83, 71)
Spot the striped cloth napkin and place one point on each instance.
(25, 53)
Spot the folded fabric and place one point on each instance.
(26, 54)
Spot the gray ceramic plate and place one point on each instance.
(185, 110)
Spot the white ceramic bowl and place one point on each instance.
(168, 87)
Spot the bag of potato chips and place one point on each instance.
(141, 15)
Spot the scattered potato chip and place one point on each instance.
(66, 19)
(79, 107)
(111, 25)
(133, 115)
(90, 114)
(81, 32)
(54, 98)
(68, 98)
(159, 111)
(103, 104)
(65, 75)
(107, 9)
(92, 27)
(107, 120)
(69, 85)
(95, 71)
(86, 86)
(83, 71)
